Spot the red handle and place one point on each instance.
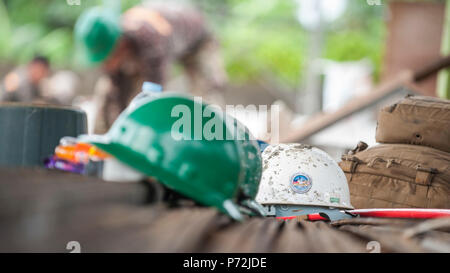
(310, 217)
(402, 213)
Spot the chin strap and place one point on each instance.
(232, 210)
(255, 207)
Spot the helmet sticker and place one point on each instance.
(334, 199)
(300, 183)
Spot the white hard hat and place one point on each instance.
(296, 174)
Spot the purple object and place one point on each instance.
(55, 163)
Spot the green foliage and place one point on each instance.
(263, 38)
(360, 34)
(262, 51)
(42, 27)
(260, 38)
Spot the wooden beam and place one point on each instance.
(324, 120)
(443, 81)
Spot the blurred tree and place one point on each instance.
(41, 27)
(260, 38)
(358, 34)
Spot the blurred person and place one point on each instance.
(24, 83)
(61, 87)
(140, 46)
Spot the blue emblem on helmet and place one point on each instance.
(301, 183)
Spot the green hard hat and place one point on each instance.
(96, 33)
(149, 137)
(252, 162)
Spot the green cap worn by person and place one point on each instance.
(214, 172)
(97, 32)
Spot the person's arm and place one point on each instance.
(106, 106)
(154, 69)
(9, 87)
(112, 95)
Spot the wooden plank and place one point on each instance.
(183, 230)
(323, 238)
(42, 211)
(443, 81)
(390, 239)
(410, 43)
(292, 239)
(100, 228)
(255, 235)
(405, 223)
(30, 190)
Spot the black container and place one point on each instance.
(30, 132)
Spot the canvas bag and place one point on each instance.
(416, 120)
(398, 175)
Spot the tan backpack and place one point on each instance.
(398, 175)
(416, 120)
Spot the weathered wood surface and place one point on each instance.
(41, 211)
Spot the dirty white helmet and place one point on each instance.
(300, 175)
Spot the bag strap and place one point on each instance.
(349, 163)
(425, 175)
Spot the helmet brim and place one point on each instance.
(104, 143)
(318, 204)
